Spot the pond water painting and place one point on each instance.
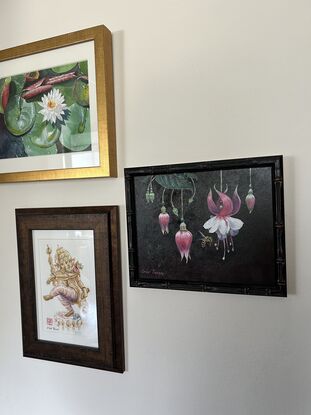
(45, 112)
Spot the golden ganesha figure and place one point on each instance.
(66, 279)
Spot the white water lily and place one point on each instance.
(53, 106)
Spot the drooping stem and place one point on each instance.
(225, 191)
(150, 183)
(151, 180)
(217, 244)
(182, 204)
(224, 256)
(194, 190)
(232, 244)
(221, 180)
(172, 204)
(250, 177)
(163, 195)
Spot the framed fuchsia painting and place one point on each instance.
(210, 226)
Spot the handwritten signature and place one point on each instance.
(153, 272)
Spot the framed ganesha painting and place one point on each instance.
(70, 285)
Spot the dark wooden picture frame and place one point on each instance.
(210, 226)
(103, 223)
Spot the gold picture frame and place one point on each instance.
(103, 110)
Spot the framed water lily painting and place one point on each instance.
(57, 108)
(211, 226)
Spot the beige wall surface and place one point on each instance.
(194, 80)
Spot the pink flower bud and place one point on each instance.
(183, 239)
(250, 200)
(164, 219)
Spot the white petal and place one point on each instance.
(223, 227)
(211, 224)
(235, 224)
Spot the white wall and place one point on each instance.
(194, 80)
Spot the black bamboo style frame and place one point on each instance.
(210, 226)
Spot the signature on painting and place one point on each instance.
(153, 272)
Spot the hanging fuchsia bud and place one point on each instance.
(250, 200)
(151, 196)
(183, 239)
(164, 219)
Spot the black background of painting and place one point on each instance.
(252, 262)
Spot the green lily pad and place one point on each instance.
(19, 115)
(83, 67)
(43, 134)
(34, 150)
(81, 92)
(19, 82)
(66, 89)
(49, 136)
(64, 68)
(76, 135)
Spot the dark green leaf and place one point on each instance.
(174, 181)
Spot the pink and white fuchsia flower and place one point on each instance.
(164, 219)
(183, 239)
(222, 223)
